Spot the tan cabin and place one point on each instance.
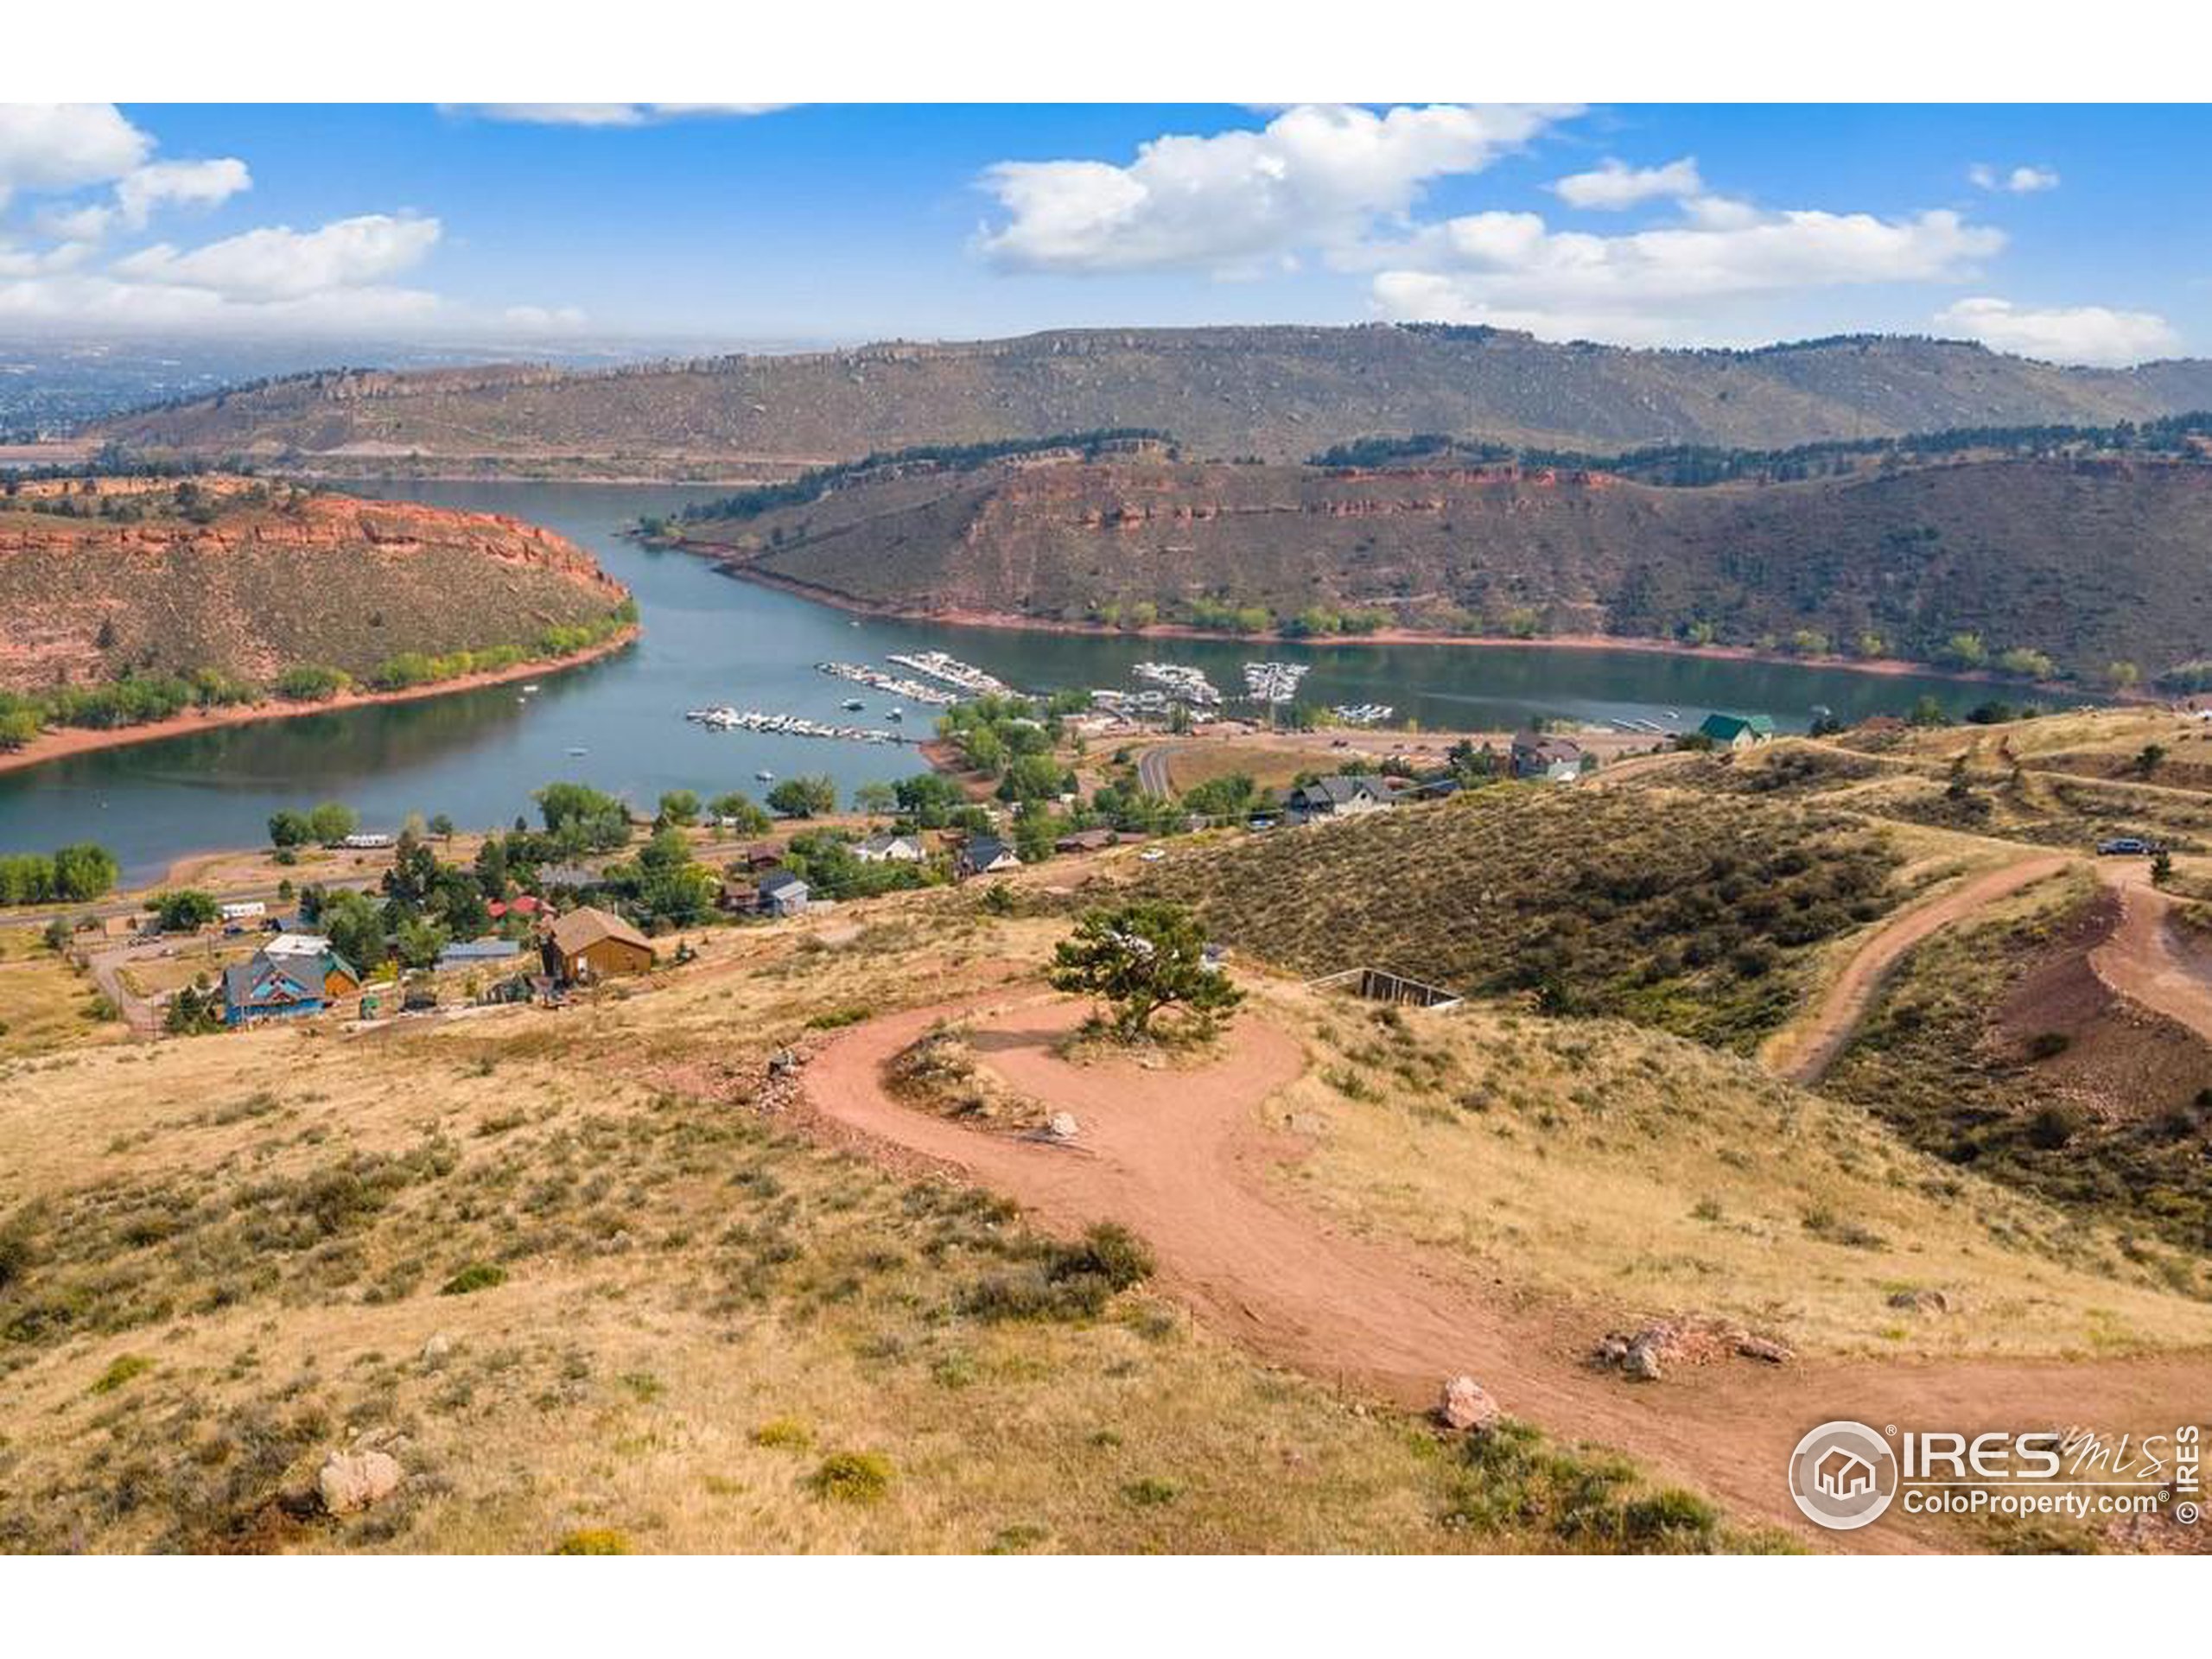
(595, 944)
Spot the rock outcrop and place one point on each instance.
(248, 578)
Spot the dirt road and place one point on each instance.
(1183, 1158)
(2146, 960)
(1804, 1050)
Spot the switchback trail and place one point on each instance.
(2144, 959)
(1803, 1050)
(1184, 1158)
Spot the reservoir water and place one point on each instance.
(707, 640)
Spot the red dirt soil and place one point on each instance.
(1181, 1157)
(2145, 960)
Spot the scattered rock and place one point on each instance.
(1062, 1126)
(1466, 1406)
(1765, 1348)
(351, 1481)
(1649, 1353)
(436, 1348)
(782, 1062)
(1921, 1301)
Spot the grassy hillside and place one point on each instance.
(1696, 916)
(1277, 392)
(578, 1274)
(2086, 561)
(102, 579)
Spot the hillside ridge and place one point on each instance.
(1278, 392)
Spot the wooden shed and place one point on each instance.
(594, 944)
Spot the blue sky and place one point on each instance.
(2080, 233)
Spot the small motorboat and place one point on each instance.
(766, 776)
(579, 751)
(894, 712)
(853, 705)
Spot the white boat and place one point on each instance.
(766, 776)
(853, 705)
(579, 751)
(894, 712)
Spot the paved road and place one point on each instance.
(1152, 770)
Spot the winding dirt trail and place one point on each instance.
(1803, 1050)
(2142, 959)
(1183, 1158)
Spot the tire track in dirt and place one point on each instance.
(1182, 1156)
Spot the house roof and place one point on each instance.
(242, 979)
(1728, 727)
(884, 841)
(1339, 787)
(581, 929)
(984, 851)
(1546, 747)
(778, 882)
(480, 950)
(297, 944)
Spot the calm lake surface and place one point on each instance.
(477, 755)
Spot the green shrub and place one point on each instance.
(120, 1370)
(852, 1477)
(1151, 1492)
(784, 1434)
(477, 1275)
(593, 1541)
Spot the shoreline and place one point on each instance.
(60, 745)
(1010, 622)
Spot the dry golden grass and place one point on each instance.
(267, 1217)
(45, 1002)
(1602, 1163)
(1270, 765)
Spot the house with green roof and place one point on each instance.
(1738, 731)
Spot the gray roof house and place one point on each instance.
(987, 855)
(1341, 796)
(782, 894)
(1558, 760)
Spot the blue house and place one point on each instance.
(272, 988)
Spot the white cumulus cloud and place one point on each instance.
(1512, 269)
(2018, 180)
(278, 262)
(1317, 175)
(1613, 184)
(2091, 334)
(65, 146)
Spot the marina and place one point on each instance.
(876, 680)
(940, 665)
(725, 719)
(1273, 683)
(1181, 682)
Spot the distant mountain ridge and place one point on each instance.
(1276, 393)
(2088, 561)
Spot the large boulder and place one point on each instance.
(1466, 1406)
(349, 1481)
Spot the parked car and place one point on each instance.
(2123, 844)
